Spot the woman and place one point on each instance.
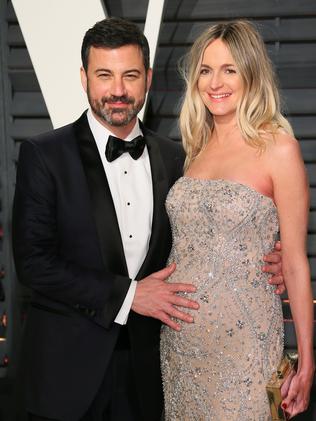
(245, 181)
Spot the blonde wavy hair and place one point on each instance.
(258, 113)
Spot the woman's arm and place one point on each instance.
(291, 195)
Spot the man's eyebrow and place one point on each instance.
(101, 70)
(132, 70)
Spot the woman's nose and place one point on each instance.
(216, 81)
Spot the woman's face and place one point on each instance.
(220, 84)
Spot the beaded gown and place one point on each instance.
(217, 367)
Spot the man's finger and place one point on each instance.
(177, 314)
(273, 268)
(184, 302)
(272, 258)
(279, 282)
(277, 246)
(169, 322)
(165, 272)
(280, 290)
(276, 280)
(177, 287)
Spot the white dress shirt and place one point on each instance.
(130, 184)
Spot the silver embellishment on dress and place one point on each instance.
(248, 381)
(204, 298)
(240, 324)
(230, 332)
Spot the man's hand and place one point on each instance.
(156, 298)
(274, 266)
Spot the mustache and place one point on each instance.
(112, 99)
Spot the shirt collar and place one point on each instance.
(101, 133)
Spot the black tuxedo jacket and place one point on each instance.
(68, 250)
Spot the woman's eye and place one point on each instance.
(204, 71)
(229, 71)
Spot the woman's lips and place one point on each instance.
(218, 97)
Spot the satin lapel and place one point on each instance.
(101, 200)
(160, 190)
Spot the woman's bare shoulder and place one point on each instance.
(283, 145)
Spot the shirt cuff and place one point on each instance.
(122, 315)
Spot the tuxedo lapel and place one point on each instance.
(160, 190)
(101, 200)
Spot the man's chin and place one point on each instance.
(115, 123)
(119, 121)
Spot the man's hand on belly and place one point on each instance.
(156, 298)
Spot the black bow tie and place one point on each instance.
(116, 146)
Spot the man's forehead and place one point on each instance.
(128, 49)
(129, 55)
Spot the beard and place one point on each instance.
(116, 117)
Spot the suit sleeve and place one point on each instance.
(39, 264)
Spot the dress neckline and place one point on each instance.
(227, 181)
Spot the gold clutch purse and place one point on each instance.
(285, 369)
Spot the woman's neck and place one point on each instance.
(224, 130)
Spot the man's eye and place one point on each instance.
(131, 76)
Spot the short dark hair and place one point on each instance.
(114, 33)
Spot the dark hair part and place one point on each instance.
(114, 33)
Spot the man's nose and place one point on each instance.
(118, 87)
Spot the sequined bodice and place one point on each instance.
(221, 230)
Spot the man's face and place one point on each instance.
(116, 84)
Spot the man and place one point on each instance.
(88, 219)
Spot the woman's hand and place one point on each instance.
(297, 398)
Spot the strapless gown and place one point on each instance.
(217, 367)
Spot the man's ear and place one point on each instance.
(149, 77)
(84, 79)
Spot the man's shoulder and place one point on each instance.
(61, 135)
(52, 136)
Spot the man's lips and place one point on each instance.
(117, 101)
(118, 104)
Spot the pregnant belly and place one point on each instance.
(234, 311)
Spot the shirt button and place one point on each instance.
(128, 203)
(125, 172)
(130, 236)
